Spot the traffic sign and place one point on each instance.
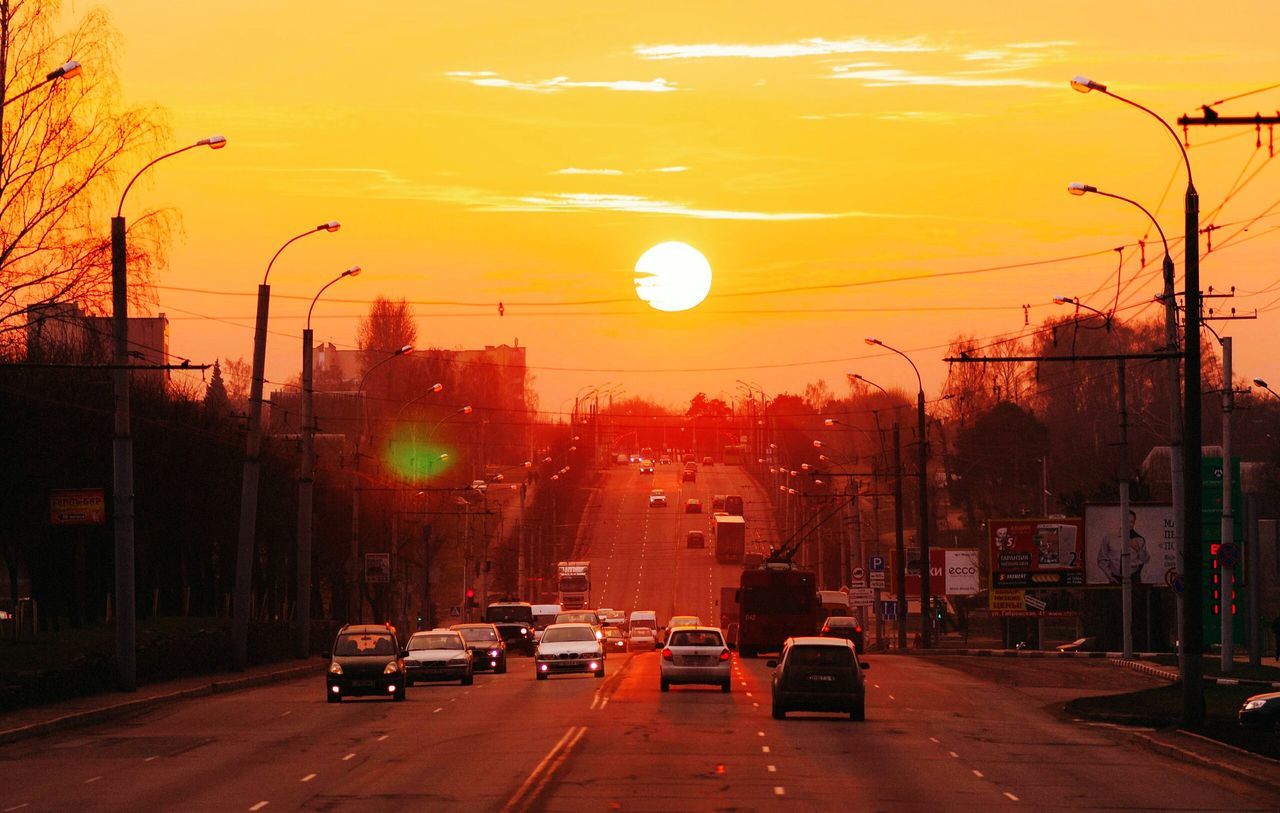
(878, 580)
(455, 612)
(862, 596)
(889, 610)
(1034, 603)
(877, 564)
(859, 577)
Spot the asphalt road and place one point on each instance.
(935, 738)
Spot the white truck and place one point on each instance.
(573, 579)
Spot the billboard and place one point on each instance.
(952, 571)
(77, 506)
(377, 568)
(1036, 553)
(1153, 549)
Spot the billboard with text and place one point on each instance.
(1153, 548)
(1036, 553)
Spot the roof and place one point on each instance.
(570, 624)
(810, 640)
(365, 629)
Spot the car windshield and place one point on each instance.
(511, 612)
(566, 634)
(478, 634)
(696, 638)
(364, 644)
(643, 623)
(820, 656)
(657, 492)
(576, 618)
(612, 632)
(849, 623)
(420, 642)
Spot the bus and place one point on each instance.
(733, 504)
(735, 455)
(775, 603)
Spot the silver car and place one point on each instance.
(438, 655)
(696, 655)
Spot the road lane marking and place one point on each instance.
(978, 774)
(287, 713)
(383, 738)
(152, 758)
(260, 805)
(527, 794)
(891, 697)
(954, 755)
(17, 807)
(764, 749)
(307, 778)
(348, 757)
(1012, 798)
(91, 780)
(759, 733)
(772, 768)
(437, 711)
(779, 790)
(604, 703)
(934, 740)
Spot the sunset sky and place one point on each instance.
(837, 163)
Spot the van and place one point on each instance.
(642, 626)
(544, 614)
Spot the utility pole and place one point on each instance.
(306, 482)
(1126, 545)
(522, 563)
(1226, 573)
(900, 540)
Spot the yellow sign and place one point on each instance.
(1007, 600)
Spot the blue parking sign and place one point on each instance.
(877, 564)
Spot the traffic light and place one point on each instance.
(471, 598)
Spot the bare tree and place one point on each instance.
(389, 326)
(63, 146)
(238, 374)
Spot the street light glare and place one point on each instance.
(404, 351)
(466, 410)
(332, 225)
(437, 387)
(872, 340)
(1078, 189)
(66, 70)
(353, 271)
(1063, 300)
(1084, 84)
(828, 422)
(214, 142)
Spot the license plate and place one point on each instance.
(362, 683)
(830, 678)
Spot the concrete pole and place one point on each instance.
(1226, 575)
(1126, 579)
(926, 520)
(355, 608)
(306, 477)
(522, 588)
(122, 467)
(1175, 438)
(900, 539)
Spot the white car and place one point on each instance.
(695, 655)
(438, 655)
(642, 629)
(657, 498)
(566, 648)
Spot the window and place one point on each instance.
(478, 635)
(821, 656)
(419, 643)
(699, 638)
(367, 644)
(567, 634)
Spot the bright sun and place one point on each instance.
(673, 277)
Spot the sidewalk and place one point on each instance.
(19, 724)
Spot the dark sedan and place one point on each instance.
(366, 659)
(1261, 711)
(846, 627)
(488, 650)
(818, 674)
(517, 636)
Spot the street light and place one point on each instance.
(66, 70)
(1075, 300)
(306, 479)
(1190, 635)
(122, 441)
(924, 522)
(1258, 382)
(252, 464)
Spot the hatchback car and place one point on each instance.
(708, 461)
(613, 640)
(844, 626)
(488, 650)
(366, 659)
(646, 467)
(696, 539)
(657, 498)
(1261, 711)
(818, 674)
(693, 506)
(568, 648)
(438, 655)
(695, 654)
(688, 476)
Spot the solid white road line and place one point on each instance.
(1012, 798)
(348, 757)
(260, 805)
(978, 774)
(91, 780)
(17, 807)
(307, 778)
(533, 785)
(152, 758)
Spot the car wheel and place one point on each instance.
(468, 679)
(859, 711)
(333, 698)
(600, 671)
(779, 713)
(398, 695)
(501, 668)
(727, 686)
(540, 675)
(664, 685)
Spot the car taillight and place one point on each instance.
(667, 656)
(724, 654)
(826, 629)
(857, 629)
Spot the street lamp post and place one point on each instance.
(64, 71)
(122, 442)
(241, 599)
(1190, 633)
(306, 481)
(924, 522)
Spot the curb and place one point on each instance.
(1172, 676)
(1170, 750)
(129, 707)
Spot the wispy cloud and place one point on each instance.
(582, 202)
(582, 171)
(899, 77)
(815, 46)
(556, 84)
(672, 169)
(930, 116)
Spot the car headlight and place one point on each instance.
(1255, 704)
(493, 653)
(335, 668)
(524, 631)
(391, 668)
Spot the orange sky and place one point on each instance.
(530, 152)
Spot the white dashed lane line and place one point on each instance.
(764, 749)
(348, 757)
(778, 790)
(260, 805)
(772, 768)
(92, 779)
(977, 773)
(954, 755)
(307, 778)
(1012, 798)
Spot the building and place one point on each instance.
(61, 333)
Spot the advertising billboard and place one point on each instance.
(77, 506)
(952, 571)
(1153, 550)
(1036, 553)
